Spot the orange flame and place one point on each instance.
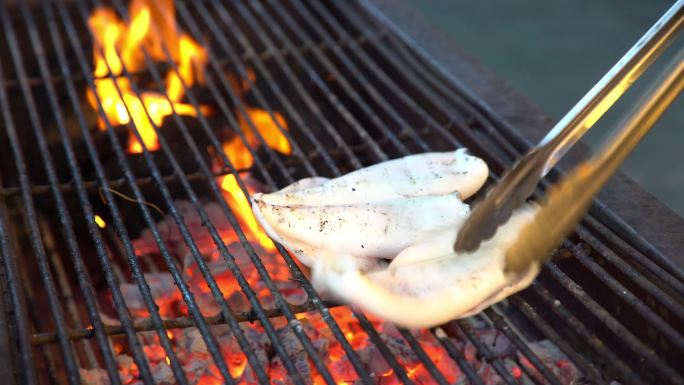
(241, 158)
(237, 365)
(152, 24)
(100, 222)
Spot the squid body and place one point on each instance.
(382, 237)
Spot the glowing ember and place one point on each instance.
(152, 22)
(100, 222)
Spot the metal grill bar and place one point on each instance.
(329, 66)
(612, 240)
(458, 356)
(16, 296)
(30, 213)
(582, 330)
(502, 325)
(46, 353)
(374, 69)
(270, 81)
(175, 323)
(244, 58)
(674, 336)
(484, 349)
(644, 351)
(589, 369)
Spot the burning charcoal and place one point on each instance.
(234, 355)
(163, 290)
(401, 350)
(277, 372)
(342, 370)
(162, 373)
(488, 375)
(149, 337)
(515, 371)
(420, 375)
(471, 354)
(107, 320)
(196, 368)
(96, 376)
(293, 292)
(553, 359)
(154, 352)
(191, 340)
(321, 346)
(296, 352)
(145, 243)
(238, 302)
(373, 361)
(128, 370)
(496, 341)
(447, 366)
(207, 304)
(267, 301)
(259, 343)
(220, 329)
(248, 377)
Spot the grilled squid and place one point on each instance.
(428, 284)
(407, 211)
(371, 230)
(374, 212)
(435, 173)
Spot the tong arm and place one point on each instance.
(518, 184)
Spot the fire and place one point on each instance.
(119, 45)
(238, 363)
(241, 158)
(152, 24)
(100, 222)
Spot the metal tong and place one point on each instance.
(568, 200)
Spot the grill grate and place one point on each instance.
(354, 92)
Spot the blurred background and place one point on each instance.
(554, 52)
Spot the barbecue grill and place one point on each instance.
(90, 225)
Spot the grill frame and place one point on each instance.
(504, 155)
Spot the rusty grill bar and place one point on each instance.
(354, 92)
